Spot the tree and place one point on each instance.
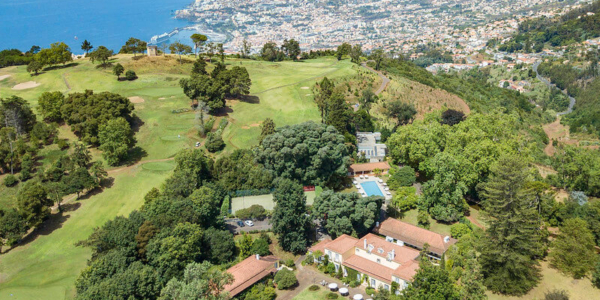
(205, 89)
(347, 213)
(261, 292)
(179, 48)
(200, 281)
(573, 250)
(269, 51)
(56, 191)
(443, 196)
(130, 75)
(199, 40)
(98, 173)
(35, 67)
(220, 245)
(118, 70)
(405, 176)
(378, 57)
(33, 203)
(49, 104)
(78, 181)
(430, 282)
(260, 246)
(210, 52)
(285, 279)
(313, 154)
(512, 240)
(199, 67)
(289, 220)
(192, 170)
(356, 53)
(367, 98)
(596, 274)
(134, 46)
(323, 92)
(116, 138)
(291, 48)
(26, 167)
(16, 113)
(246, 48)
(267, 127)
(403, 113)
(81, 155)
(61, 53)
(339, 113)
(102, 55)
(238, 171)
(343, 49)
(87, 111)
(12, 227)
(86, 46)
(221, 51)
(452, 117)
(214, 142)
(245, 245)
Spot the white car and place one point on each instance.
(249, 223)
(197, 144)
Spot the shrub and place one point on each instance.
(261, 247)
(423, 219)
(405, 198)
(331, 296)
(62, 144)
(314, 288)
(354, 283)
(557, 295)
(130, 75)
(330, 269)
(596, 275)
(285, 279)
(290, 263)
(10, 180)
(214, 143)
(370, 291)
(253, 212)
(459, 229)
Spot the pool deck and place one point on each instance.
(381, 187)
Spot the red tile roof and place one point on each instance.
(342, 244)
(249, 271)
(414, 235)
(401, 254)
(320, 246)
(370, 268)
(369, 167)
(408, 270)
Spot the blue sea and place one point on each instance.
(109, 23)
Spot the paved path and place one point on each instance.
(309, 275)
(384, 80)
(551, 86)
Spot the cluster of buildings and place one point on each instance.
(395, 25)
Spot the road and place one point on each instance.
(551, 85)
(384, 80)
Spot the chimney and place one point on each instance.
(446, 239)
(365, 243)
(257, 256)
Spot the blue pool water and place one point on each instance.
(371, 188)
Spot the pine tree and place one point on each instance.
(513, 239)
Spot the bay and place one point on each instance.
(110, 23)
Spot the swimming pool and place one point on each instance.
(371, 188)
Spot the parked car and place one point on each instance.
(240, 223)
(249, 223)
(197, 144)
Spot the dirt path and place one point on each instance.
(474, 221)
(556, 131)
(384, 80)
(64, 76)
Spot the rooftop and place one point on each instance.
(368, 167)
(342, 244)
(249, 271)
(414, 235)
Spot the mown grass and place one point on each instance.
(307, 294)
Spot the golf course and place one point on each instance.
(46, 263)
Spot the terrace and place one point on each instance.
(372, 186)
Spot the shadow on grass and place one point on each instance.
(136, 154)
(58, 67)
(250, 99)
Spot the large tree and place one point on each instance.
(134, 46)
(430, 282)
(267, 127)
(198, 40)
(33, 203)
(180, 49)
(290, 222)
(573, 250)
(116, 138)
(314, 154)
(49, 104)
(16, 113)
(220, 245)
(87, 111)
(402, 112)
(347, 213)
(291, 48)
(192, 170)
(512, 241)
(86, 46)
(102, 55)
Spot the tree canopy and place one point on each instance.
(347, 213)
(290, 222)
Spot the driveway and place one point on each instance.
(258, 225)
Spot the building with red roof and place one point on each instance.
(250, 271)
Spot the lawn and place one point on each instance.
(46, 267)
(307, 294)
(411, 218)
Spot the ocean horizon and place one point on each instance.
(103, 23)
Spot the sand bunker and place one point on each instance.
(2, 77)
(305, 88)
(162, 98)
(25, 85)
(136, 99)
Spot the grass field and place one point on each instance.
(307, 294)
(46, 264)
